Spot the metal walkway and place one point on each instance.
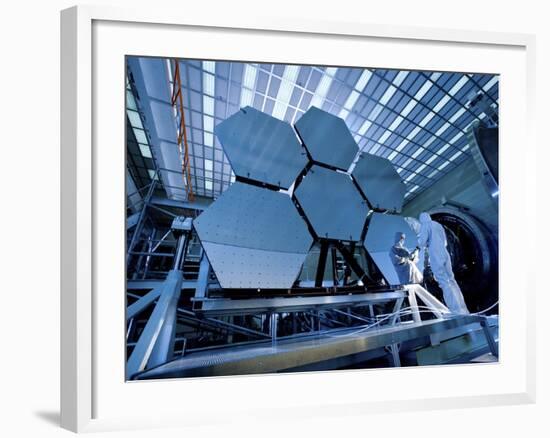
(293, 353)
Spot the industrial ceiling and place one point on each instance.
(416, 119)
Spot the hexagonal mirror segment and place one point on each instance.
(332, 204)
(383, 232)
(254, 238)
(261, 148)
(379, 182)
(327, 138)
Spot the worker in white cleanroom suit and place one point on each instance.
(404, 261)
(432, 235)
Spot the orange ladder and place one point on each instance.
(177, 101)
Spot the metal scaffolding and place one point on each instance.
(180, 322)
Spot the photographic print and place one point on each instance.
(293, 218)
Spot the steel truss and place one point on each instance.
(179, 319)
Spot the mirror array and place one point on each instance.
(259, 232)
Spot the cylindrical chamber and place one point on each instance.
(474, 254)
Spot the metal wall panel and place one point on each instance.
(254, 238)
(332, 204)
(327, 138)
(380, 182)
(261, 147)
(380, 239)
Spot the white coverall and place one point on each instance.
(404, 261)
(432, 235)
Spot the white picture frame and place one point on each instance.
(93, 399)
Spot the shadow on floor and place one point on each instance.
(51, 417)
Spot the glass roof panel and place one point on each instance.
(416, 119)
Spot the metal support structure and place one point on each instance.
(334, 266)
(204, 275)
(163, 349)
(180, 251)
(216, 324)
(347, 270)
(142, 303)
(129, 329)
(143, 252)
(183, 346)
(162, 210)
(162, 239)
(156, 343)
(394, 349)
(140, 222)
(320, 274)
(396, 309)
(352, 263)
(273, 328)
(131, 221)
(437, 307)
(235, 328)
(304, 350)
(251, 306)
(414, 305)
(319, 317)
(149, 249)
(199, 203)
(351, 315)
(156, 254)
(493, 348)
(153, 284)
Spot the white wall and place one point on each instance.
(29, 102)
